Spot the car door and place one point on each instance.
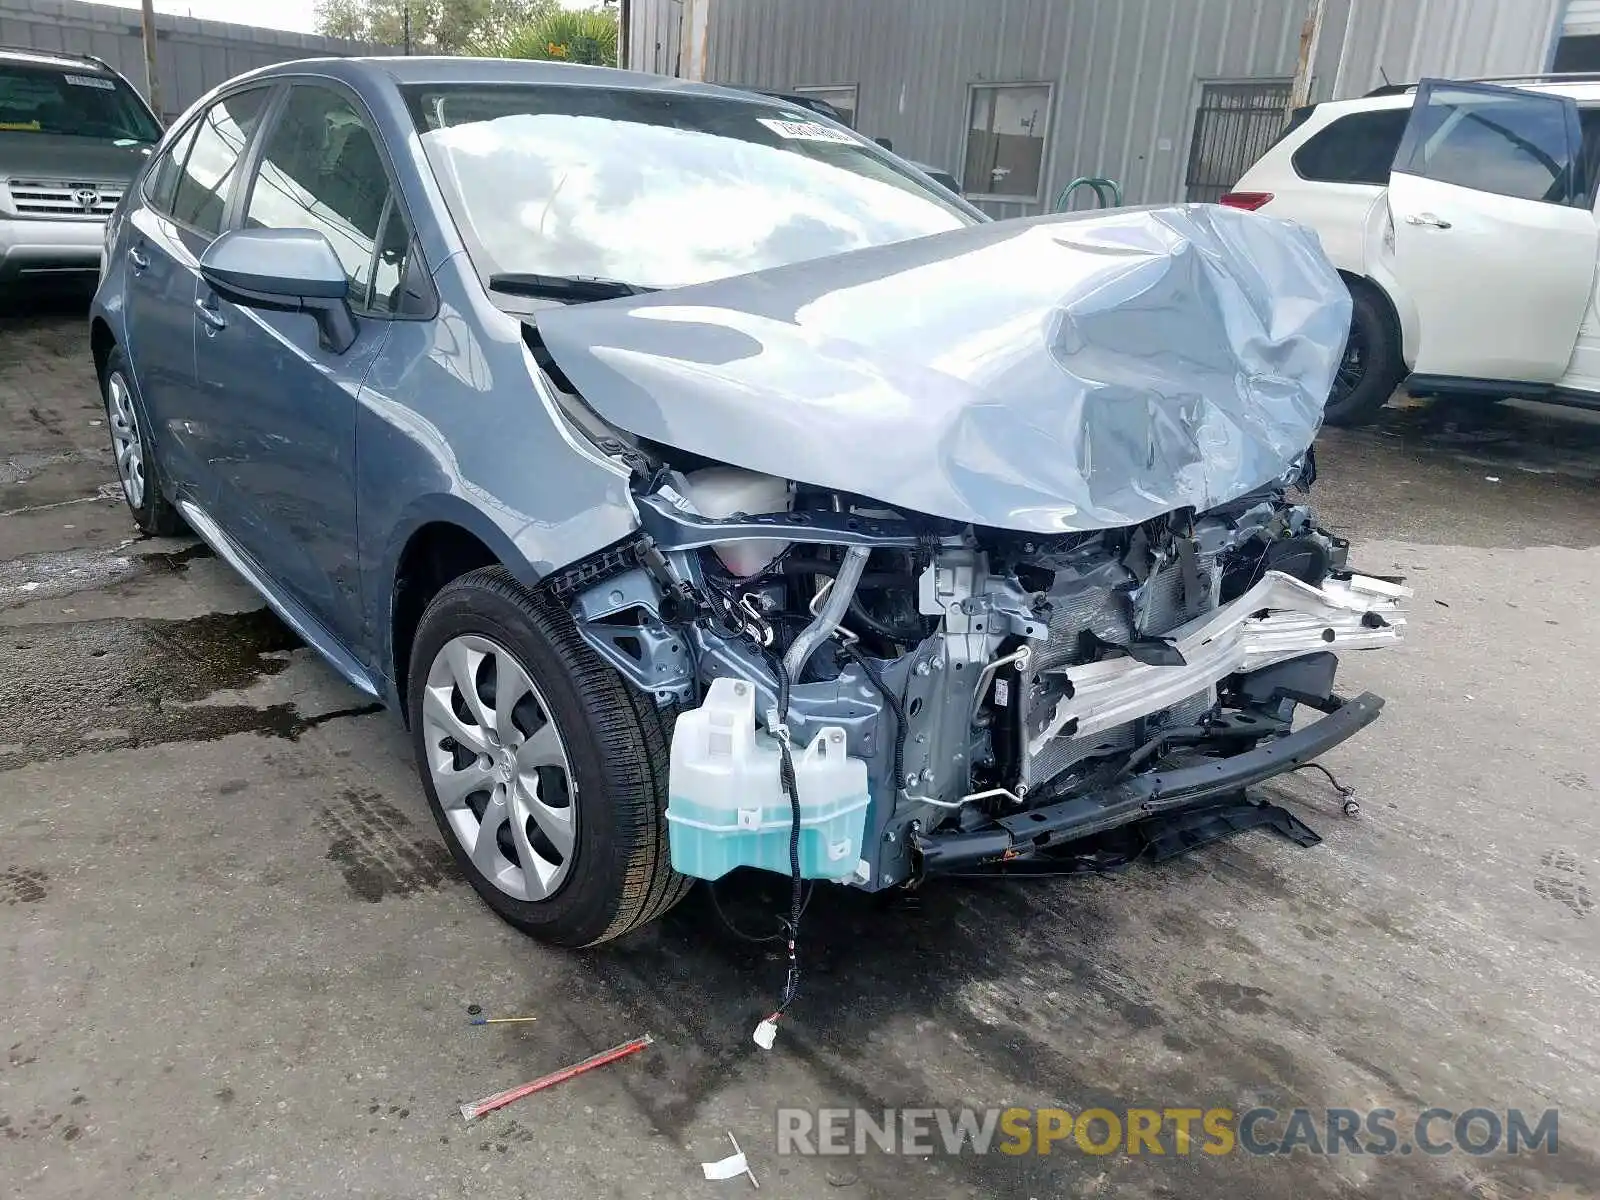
(187, 195)
(286, 491)
(159, 274)
(1494, 238)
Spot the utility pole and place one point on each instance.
(692, 36)
(1310, 35)
(152, 78)
(405, 23)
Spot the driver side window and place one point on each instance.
(320, 169)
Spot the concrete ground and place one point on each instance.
(235, 958)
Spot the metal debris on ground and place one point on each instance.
(488, 1104)
(498, 1020)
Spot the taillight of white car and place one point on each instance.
(1249, 201)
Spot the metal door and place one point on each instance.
(1234, 125)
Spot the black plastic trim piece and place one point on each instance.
(1144, 795)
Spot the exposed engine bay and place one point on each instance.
(1003, 692)
(955, 551)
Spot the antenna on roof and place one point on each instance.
(1383, 75)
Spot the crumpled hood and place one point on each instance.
(1061, 373)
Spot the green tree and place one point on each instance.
(568, 35)
(437, 26)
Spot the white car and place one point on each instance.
(1462, 217)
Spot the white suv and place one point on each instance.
(1462, 216)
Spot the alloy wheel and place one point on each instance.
(1353, 365)
(125, 440)
(500, 768)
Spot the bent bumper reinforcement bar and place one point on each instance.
(1144, 795)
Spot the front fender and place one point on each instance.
(442, 508)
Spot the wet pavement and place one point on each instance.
(235, 958)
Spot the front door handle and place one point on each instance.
(206, 306)
(1428, 219)
(138, 258)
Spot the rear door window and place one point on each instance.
(1358, 148)
(163, 182)
(1524, 145)
(211, 170)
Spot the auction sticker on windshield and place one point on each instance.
(806, 131)
(90, 81)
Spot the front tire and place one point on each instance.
(1372, 366)
(545, 772)
(137, 470)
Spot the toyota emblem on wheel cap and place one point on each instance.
(87, 198)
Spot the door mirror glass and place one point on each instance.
(1507, 142)
(287, 270)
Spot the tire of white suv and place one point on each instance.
(545, 772)
(1372, 366)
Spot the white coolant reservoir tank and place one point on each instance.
(719, 492)
(726, 806)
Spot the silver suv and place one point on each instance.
(73, 133)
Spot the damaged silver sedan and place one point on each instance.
(719, 492)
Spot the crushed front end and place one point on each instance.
(1013, 516)
(1005, 694)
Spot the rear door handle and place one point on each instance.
(138, 258)
(206, 306)
(1429, 219)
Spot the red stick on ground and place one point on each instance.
(500, 1099)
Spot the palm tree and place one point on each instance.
(568, 35)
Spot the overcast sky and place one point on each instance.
(298, 15)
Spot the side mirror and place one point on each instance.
(285, 270)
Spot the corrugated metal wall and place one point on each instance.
(1409, 39)
(653, 39)
(1126, 74)
(192, 56)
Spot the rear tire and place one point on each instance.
(137, 470)
(606, 870)
(1372, 366)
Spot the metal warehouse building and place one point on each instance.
(1170, 98)
(192, 56)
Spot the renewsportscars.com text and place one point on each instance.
(1167, 1131)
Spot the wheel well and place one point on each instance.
(101, 340)
(436, 554)
(1385, 305)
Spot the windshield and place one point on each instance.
(660, 189)
(41, 99)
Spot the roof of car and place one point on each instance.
(426, 69)
(44, 58)
(1585, 89)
